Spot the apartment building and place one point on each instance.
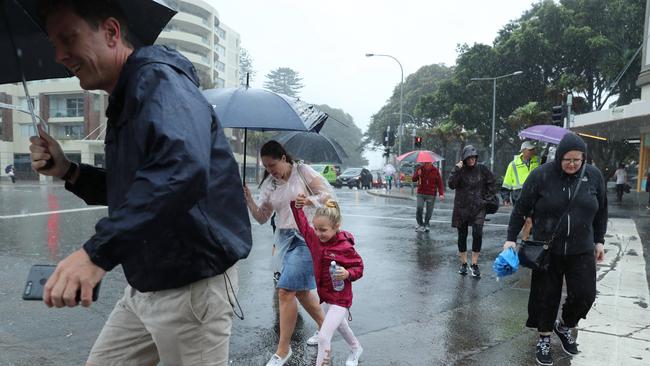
(76, 117)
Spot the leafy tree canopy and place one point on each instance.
(284, 80)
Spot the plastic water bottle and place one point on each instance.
(337, 284)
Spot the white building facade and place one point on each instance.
(76, 117)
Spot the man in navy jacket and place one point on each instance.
(177, 221)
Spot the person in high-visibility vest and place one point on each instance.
(517, 172)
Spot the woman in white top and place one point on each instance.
(283, 180)
(621, 180)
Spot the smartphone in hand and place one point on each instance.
(36, 279)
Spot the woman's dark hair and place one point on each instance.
(275, 150)
(92, 11)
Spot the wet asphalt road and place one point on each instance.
(410, 308)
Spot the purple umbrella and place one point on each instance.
(545, 133)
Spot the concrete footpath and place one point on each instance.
(617, 329)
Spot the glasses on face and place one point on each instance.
(572, 161)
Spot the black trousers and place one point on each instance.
(477, 237)
(546, 291)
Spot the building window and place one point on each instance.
(27, 130)
(22, 163)
(66, 106)
(99, 160)
(68, 131)
(220, 49)
(221, 66)
(219, 83)
(220, 32)
(24, 106)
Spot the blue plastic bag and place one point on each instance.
(506, 263)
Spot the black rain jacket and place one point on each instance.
(473, 186)
(545, 195)
(176, 210)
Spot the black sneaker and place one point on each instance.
(569, 344)
(475, 271)
(463, 269)
(426, 228)
(543, 355)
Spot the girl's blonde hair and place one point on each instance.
(330, 210)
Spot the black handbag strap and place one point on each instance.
(568, 208)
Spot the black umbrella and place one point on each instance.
(21, 30)
(263, 110)
(312, 147)
(29, 55)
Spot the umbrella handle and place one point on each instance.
(244, 166)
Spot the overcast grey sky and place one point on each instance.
(326, 42)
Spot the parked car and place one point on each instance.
(378, 179)
(329, 171)
(351, 177)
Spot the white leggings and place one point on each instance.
(335, 318)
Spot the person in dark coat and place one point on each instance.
(473, 182)
(577, 246)
(366, 179)
(169, 175)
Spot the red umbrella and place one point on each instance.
(420, 156)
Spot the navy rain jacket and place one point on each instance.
(176, 210)
(546, 194)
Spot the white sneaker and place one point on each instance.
(313, 340)
(419, 228)
(353, 357)
(279, 361)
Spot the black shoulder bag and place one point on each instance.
(535, 254)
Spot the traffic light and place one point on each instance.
(557, 115)
(386, 152)
(389, 138)
(417, 142)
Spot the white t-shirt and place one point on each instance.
(620, 176)
(276, 195)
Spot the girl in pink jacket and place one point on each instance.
(328, 243)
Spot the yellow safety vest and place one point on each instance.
(518, 171)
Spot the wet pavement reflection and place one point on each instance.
(410, 308)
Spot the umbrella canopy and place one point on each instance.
(545, 133)
(312, 147)
(20, 31)
(420, 156)
(506, 263)
(263, 110)
(389, 169)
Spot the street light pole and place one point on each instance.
(400, 129)
(494, 109)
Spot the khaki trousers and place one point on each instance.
(186, 326)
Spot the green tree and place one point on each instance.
(246, 69)
(284, 80)
(423, 82)
(341, 128)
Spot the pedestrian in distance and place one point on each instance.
(621, 181)
(517, 172)
(473, 183)
(284, 179)
(429, 184)
(328, 243)
(578, 230)
(11, 173)
(169, 174)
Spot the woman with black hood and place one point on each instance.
(576, 246)
(473, 183)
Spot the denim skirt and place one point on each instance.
(296, 267)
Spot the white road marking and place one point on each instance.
(45, 213)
